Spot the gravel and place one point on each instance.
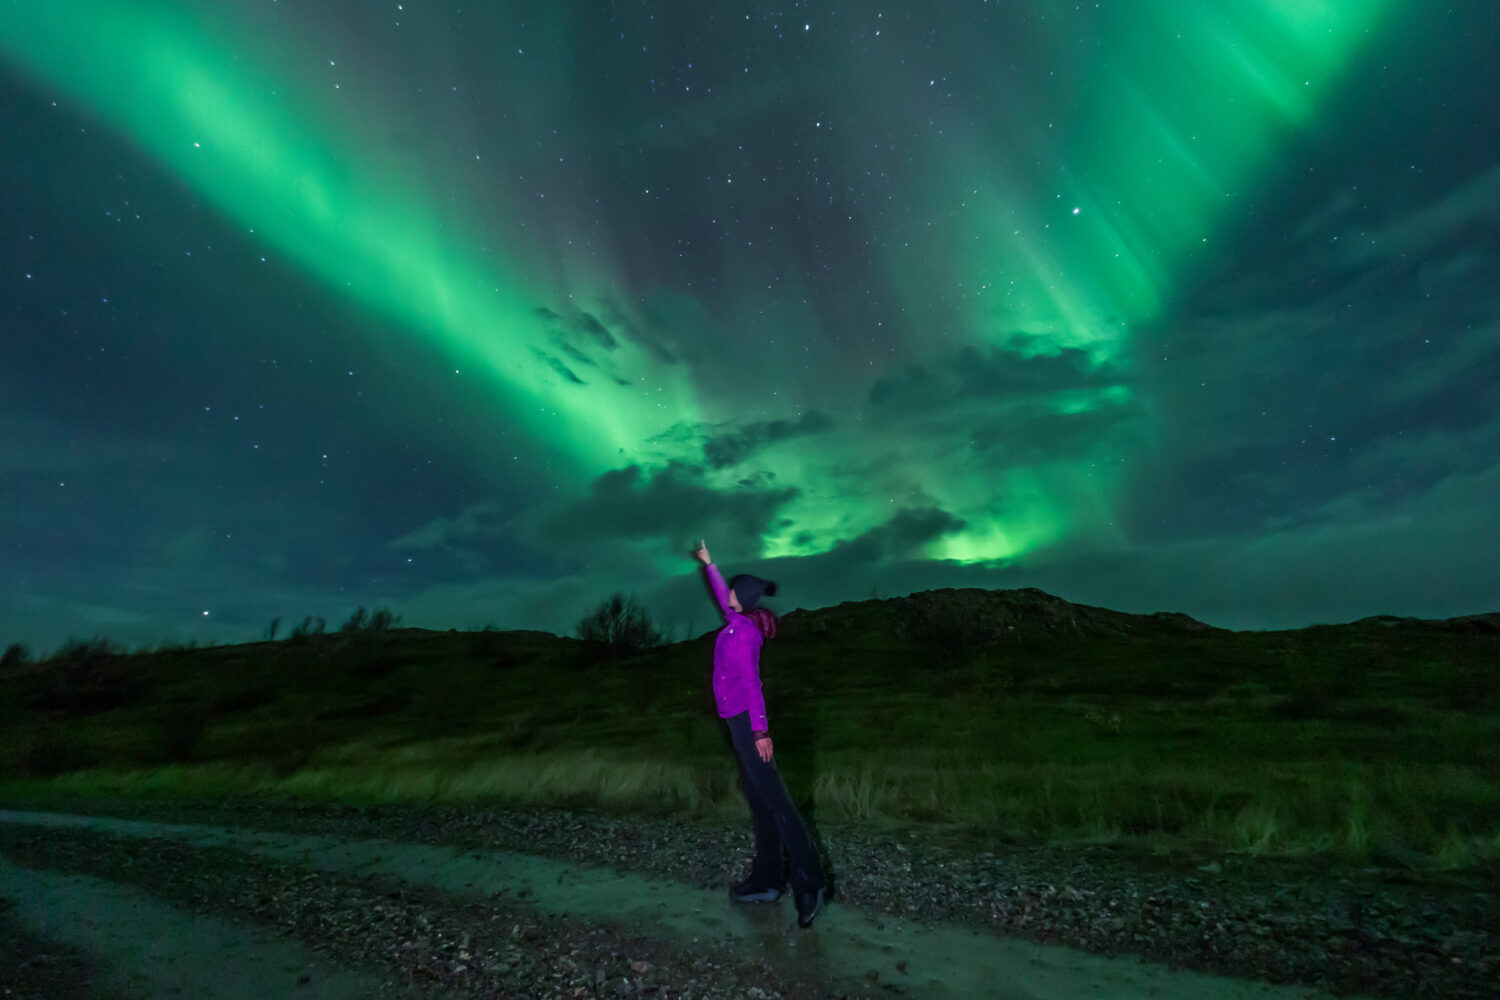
(1376, 932)
(32, 968)
(427, 942)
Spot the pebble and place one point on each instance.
(1262, 919)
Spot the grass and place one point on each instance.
(1371, 741)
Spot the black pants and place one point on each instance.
(780, 834)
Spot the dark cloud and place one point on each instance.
(675, 502)
(595, 329)
(989, 410)
(991, 373)
(1340, 368)
(1458, 217)
(557, 365)
(619, 320)
(479, 523)
(1032, 435)
(1412, 558)
(1335, 570)
(483, 539)
(574, 353)
(575, 339)
(733, 447)
(902, 537)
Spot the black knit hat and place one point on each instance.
(750, 589)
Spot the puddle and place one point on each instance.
(846, 945)
(147, 948)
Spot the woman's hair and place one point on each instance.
(764, 620)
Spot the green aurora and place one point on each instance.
(993, 202)
(1139, 182)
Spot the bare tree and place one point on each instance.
(382, 620)
(622, 624)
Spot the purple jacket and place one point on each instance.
(737, 659)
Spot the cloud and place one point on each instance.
(556, 600)
(552, 605)
(994, 374)
(594, 329)
(574, 353)
(557, 365)
(620, 321)
(1355, 362)
(1007, 401)
(576, 338)
(1027, 438)
(733, 447)
(675, 502)
(189, 549)
(479, 523)
(1455, 218)
(989, 410)
(1416, 558)
(904, 536)
(51, 621)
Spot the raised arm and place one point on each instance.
(721, 589)
(715, 578)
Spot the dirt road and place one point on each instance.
(161, 909)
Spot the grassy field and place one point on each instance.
(1006, 715)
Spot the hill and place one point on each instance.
(1014, 712)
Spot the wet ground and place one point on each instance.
(147, 908)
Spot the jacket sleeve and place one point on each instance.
(755, 696)
(721, 589)
(758, 721)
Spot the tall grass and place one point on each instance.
(1276, 744)
(1355, 811)
(583, 777)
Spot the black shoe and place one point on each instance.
(750, 891)
(808, 905)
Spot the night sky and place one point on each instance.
(483, 312)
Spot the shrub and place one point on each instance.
(307, 628)
(51, 752)
(368, 708)
(622, 625)
(379, 620)
(86, 676)
(382, 619)
(182, 729)
(16, 655)
(80, 654)
(489, 643)
(948, 626)
(373, 664)
(243, 699)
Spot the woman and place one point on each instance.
(780, 834)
